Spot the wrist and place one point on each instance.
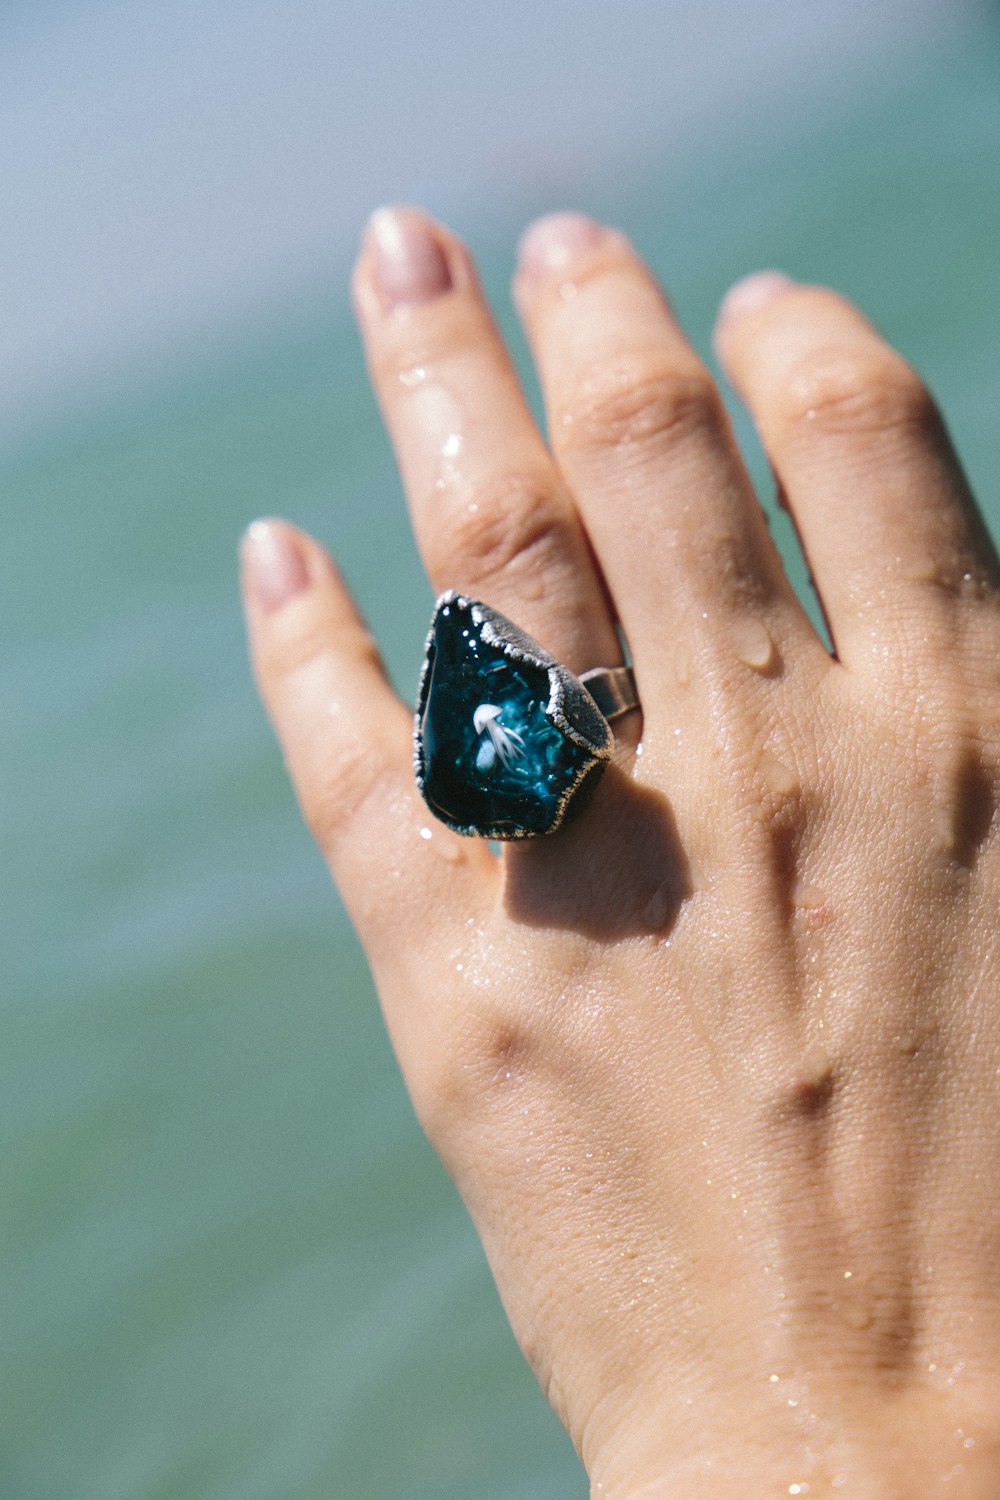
(852, 1445)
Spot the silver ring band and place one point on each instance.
(612, 689)
(507, 740)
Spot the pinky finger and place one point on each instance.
(347, 740)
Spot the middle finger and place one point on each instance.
(641, 434)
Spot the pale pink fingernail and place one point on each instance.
(408, 263)
(275, 567)
(751, 292)
(554, 242)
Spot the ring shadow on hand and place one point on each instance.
(617, 870)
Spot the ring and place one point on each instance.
(506, 739)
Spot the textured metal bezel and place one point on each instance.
(567, 696)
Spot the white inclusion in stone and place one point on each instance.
(500, 743)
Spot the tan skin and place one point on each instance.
(716, 1066)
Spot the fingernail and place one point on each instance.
(275, 566)
(408, 264)
(751, 292)
(554, 242)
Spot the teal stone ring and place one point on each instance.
(507, 740)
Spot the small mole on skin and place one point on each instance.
(814, 1078)
(753, 644)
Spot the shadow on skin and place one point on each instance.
(616, 870)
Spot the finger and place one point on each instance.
(491, 514)
(862, 454)
(640, 432)
(347, 740)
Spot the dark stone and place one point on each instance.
(505, 735)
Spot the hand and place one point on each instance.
(716, 1066)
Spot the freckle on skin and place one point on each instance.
(814, 1079)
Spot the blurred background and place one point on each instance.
(231, 1268)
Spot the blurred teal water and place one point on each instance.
(232, 1268)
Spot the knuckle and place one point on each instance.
(290, 651)
(293, 660)
(511, 526)
(645, 407)
(425, 346)
(339, 797)
(856, 393)
(474, 1065)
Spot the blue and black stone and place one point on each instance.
(507, 739)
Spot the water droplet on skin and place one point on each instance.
(452, 445)
(425, 833)
(972, 587)
(752, 644)
(798, 1489)
(838, 1480)
(414, 376)
(568, 290)
(808, 897)
(779, 778)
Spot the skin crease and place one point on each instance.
(717, 1066)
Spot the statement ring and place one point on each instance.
(508, 741)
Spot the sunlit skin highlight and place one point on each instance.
(716, 1066)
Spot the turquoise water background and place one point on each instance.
(233, 1270)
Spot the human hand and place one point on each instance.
(716, 1066)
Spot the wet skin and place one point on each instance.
(716, 1066)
